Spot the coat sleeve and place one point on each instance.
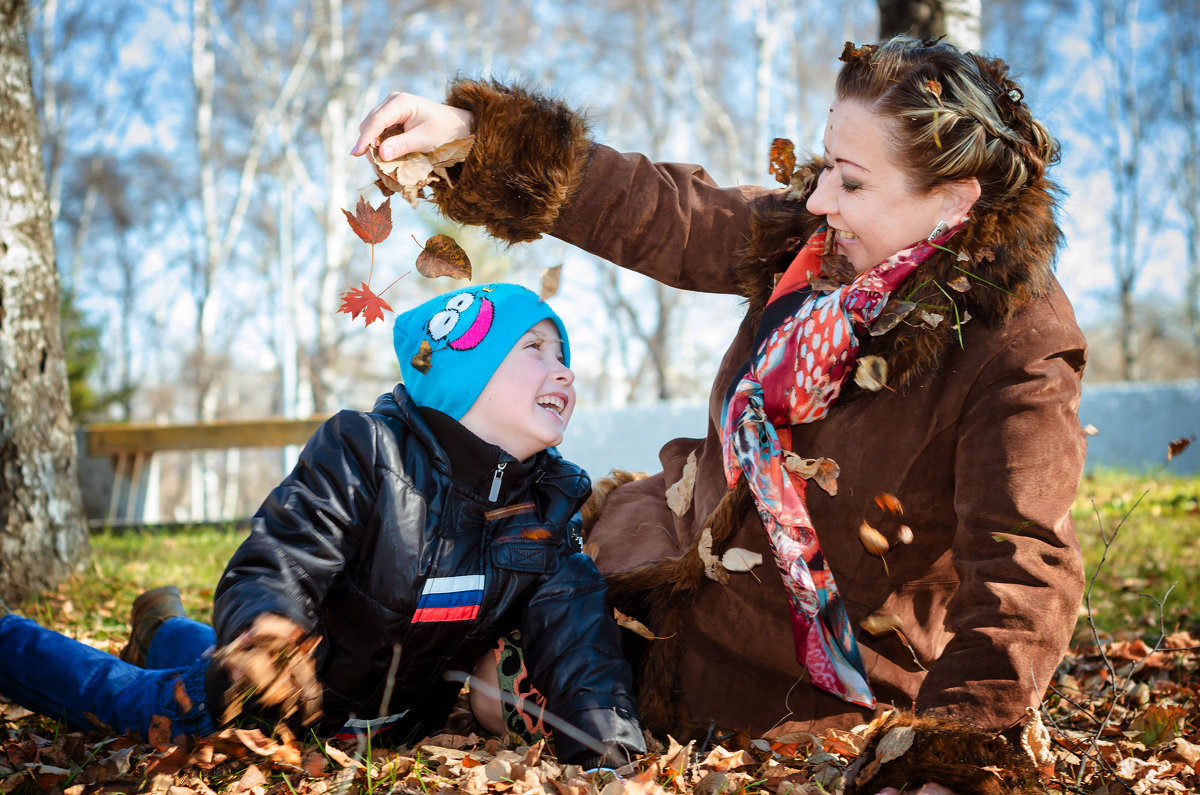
(573, 653)
(534, 170)
(1020, 453)
(305, 531)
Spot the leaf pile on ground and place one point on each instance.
(1121, 718)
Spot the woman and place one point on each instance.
(933, 190)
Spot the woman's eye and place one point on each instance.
(850, 187)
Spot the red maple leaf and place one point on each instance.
(371, 224)
(363, 300)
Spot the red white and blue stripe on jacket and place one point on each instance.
(449, 599)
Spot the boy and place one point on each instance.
(403, 545)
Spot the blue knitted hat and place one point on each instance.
(469, 332)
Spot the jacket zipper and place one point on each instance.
(494, 494)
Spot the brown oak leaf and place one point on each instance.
(442, 256)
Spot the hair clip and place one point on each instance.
(1011, 97)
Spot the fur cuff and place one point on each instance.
(527, 162)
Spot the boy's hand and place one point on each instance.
(426, 124)
(271, 662)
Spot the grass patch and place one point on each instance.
(1154, 556)
(1157, 546)
(94, 604)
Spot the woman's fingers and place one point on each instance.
(426, 124)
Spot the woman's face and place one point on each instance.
(865, 197)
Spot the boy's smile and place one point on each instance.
(528, 401)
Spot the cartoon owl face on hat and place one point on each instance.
(464, 322)
(469, 332)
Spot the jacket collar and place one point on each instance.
(466, 459)
(1011, 252)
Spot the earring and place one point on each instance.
(939, 230)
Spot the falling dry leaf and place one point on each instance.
(362, 300)
(783, 160)
(880, 623)
(874, 542)
(442, 256)
(371, 224)
(1092, 430)
(959, 284)
(536, 533)
(871, 373)
(889, 502)
(712, 567)
(409, 174)
(905, 534)
(738, 559)
(550, 279)
(1179, 445)
(679, 495)
(422, 359)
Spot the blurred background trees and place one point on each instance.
(196, 164)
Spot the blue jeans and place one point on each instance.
(61, 678)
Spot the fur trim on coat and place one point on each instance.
(528, 160)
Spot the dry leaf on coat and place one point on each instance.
(824, 471)
(880, 623)
(904, 534)
(739, 559)
(871, 373)
(633, 625)
(959, 284)
(679, 495)
(893, 312)
(712, 567)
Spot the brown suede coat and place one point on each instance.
(979, 439)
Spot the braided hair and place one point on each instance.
(953, 115)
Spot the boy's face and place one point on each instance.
(527, 404)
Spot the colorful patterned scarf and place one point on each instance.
(805, 348)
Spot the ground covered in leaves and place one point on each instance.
(1123, 718)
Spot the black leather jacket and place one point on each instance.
(371, 516)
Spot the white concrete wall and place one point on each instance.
(1135, 423)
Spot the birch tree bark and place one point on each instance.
(957, 20)
(42, 533)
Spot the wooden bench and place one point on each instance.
(129, 447)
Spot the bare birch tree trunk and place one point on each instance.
(957, 20)
(42, 533)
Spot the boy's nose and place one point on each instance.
(564, 374)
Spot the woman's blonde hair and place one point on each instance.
(954, 115)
